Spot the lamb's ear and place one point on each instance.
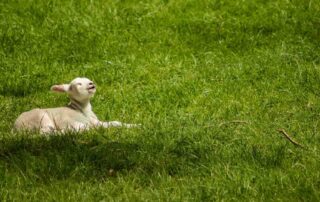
(61, 88)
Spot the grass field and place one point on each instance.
(211, 81)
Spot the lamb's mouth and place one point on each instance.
(91, 88)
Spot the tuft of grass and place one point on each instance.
(210, 81)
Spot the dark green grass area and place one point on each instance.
(211, 82)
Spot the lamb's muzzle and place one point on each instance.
(77, 116)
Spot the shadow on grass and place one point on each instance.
(62, 157)
(95, 157)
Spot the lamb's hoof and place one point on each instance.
(133, 125)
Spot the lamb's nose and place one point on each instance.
(91, 83)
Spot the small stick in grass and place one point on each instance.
(285, 134)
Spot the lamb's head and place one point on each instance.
(80, 89)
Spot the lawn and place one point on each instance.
(210, 81)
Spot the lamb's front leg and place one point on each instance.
(107, 124)
(117, 124)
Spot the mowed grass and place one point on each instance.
(210, 81)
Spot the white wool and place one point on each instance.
(77, 116)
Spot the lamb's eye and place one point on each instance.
(80, 84)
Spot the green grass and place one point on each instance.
(188, 70)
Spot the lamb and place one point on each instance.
(77, 116)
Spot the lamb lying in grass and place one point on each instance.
(77, 116)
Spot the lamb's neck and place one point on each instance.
(84, 107)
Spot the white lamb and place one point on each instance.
(76, 116)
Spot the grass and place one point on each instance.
(211, 82)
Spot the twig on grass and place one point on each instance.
(285, 134)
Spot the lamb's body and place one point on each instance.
(77, 116)
(55, 119)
